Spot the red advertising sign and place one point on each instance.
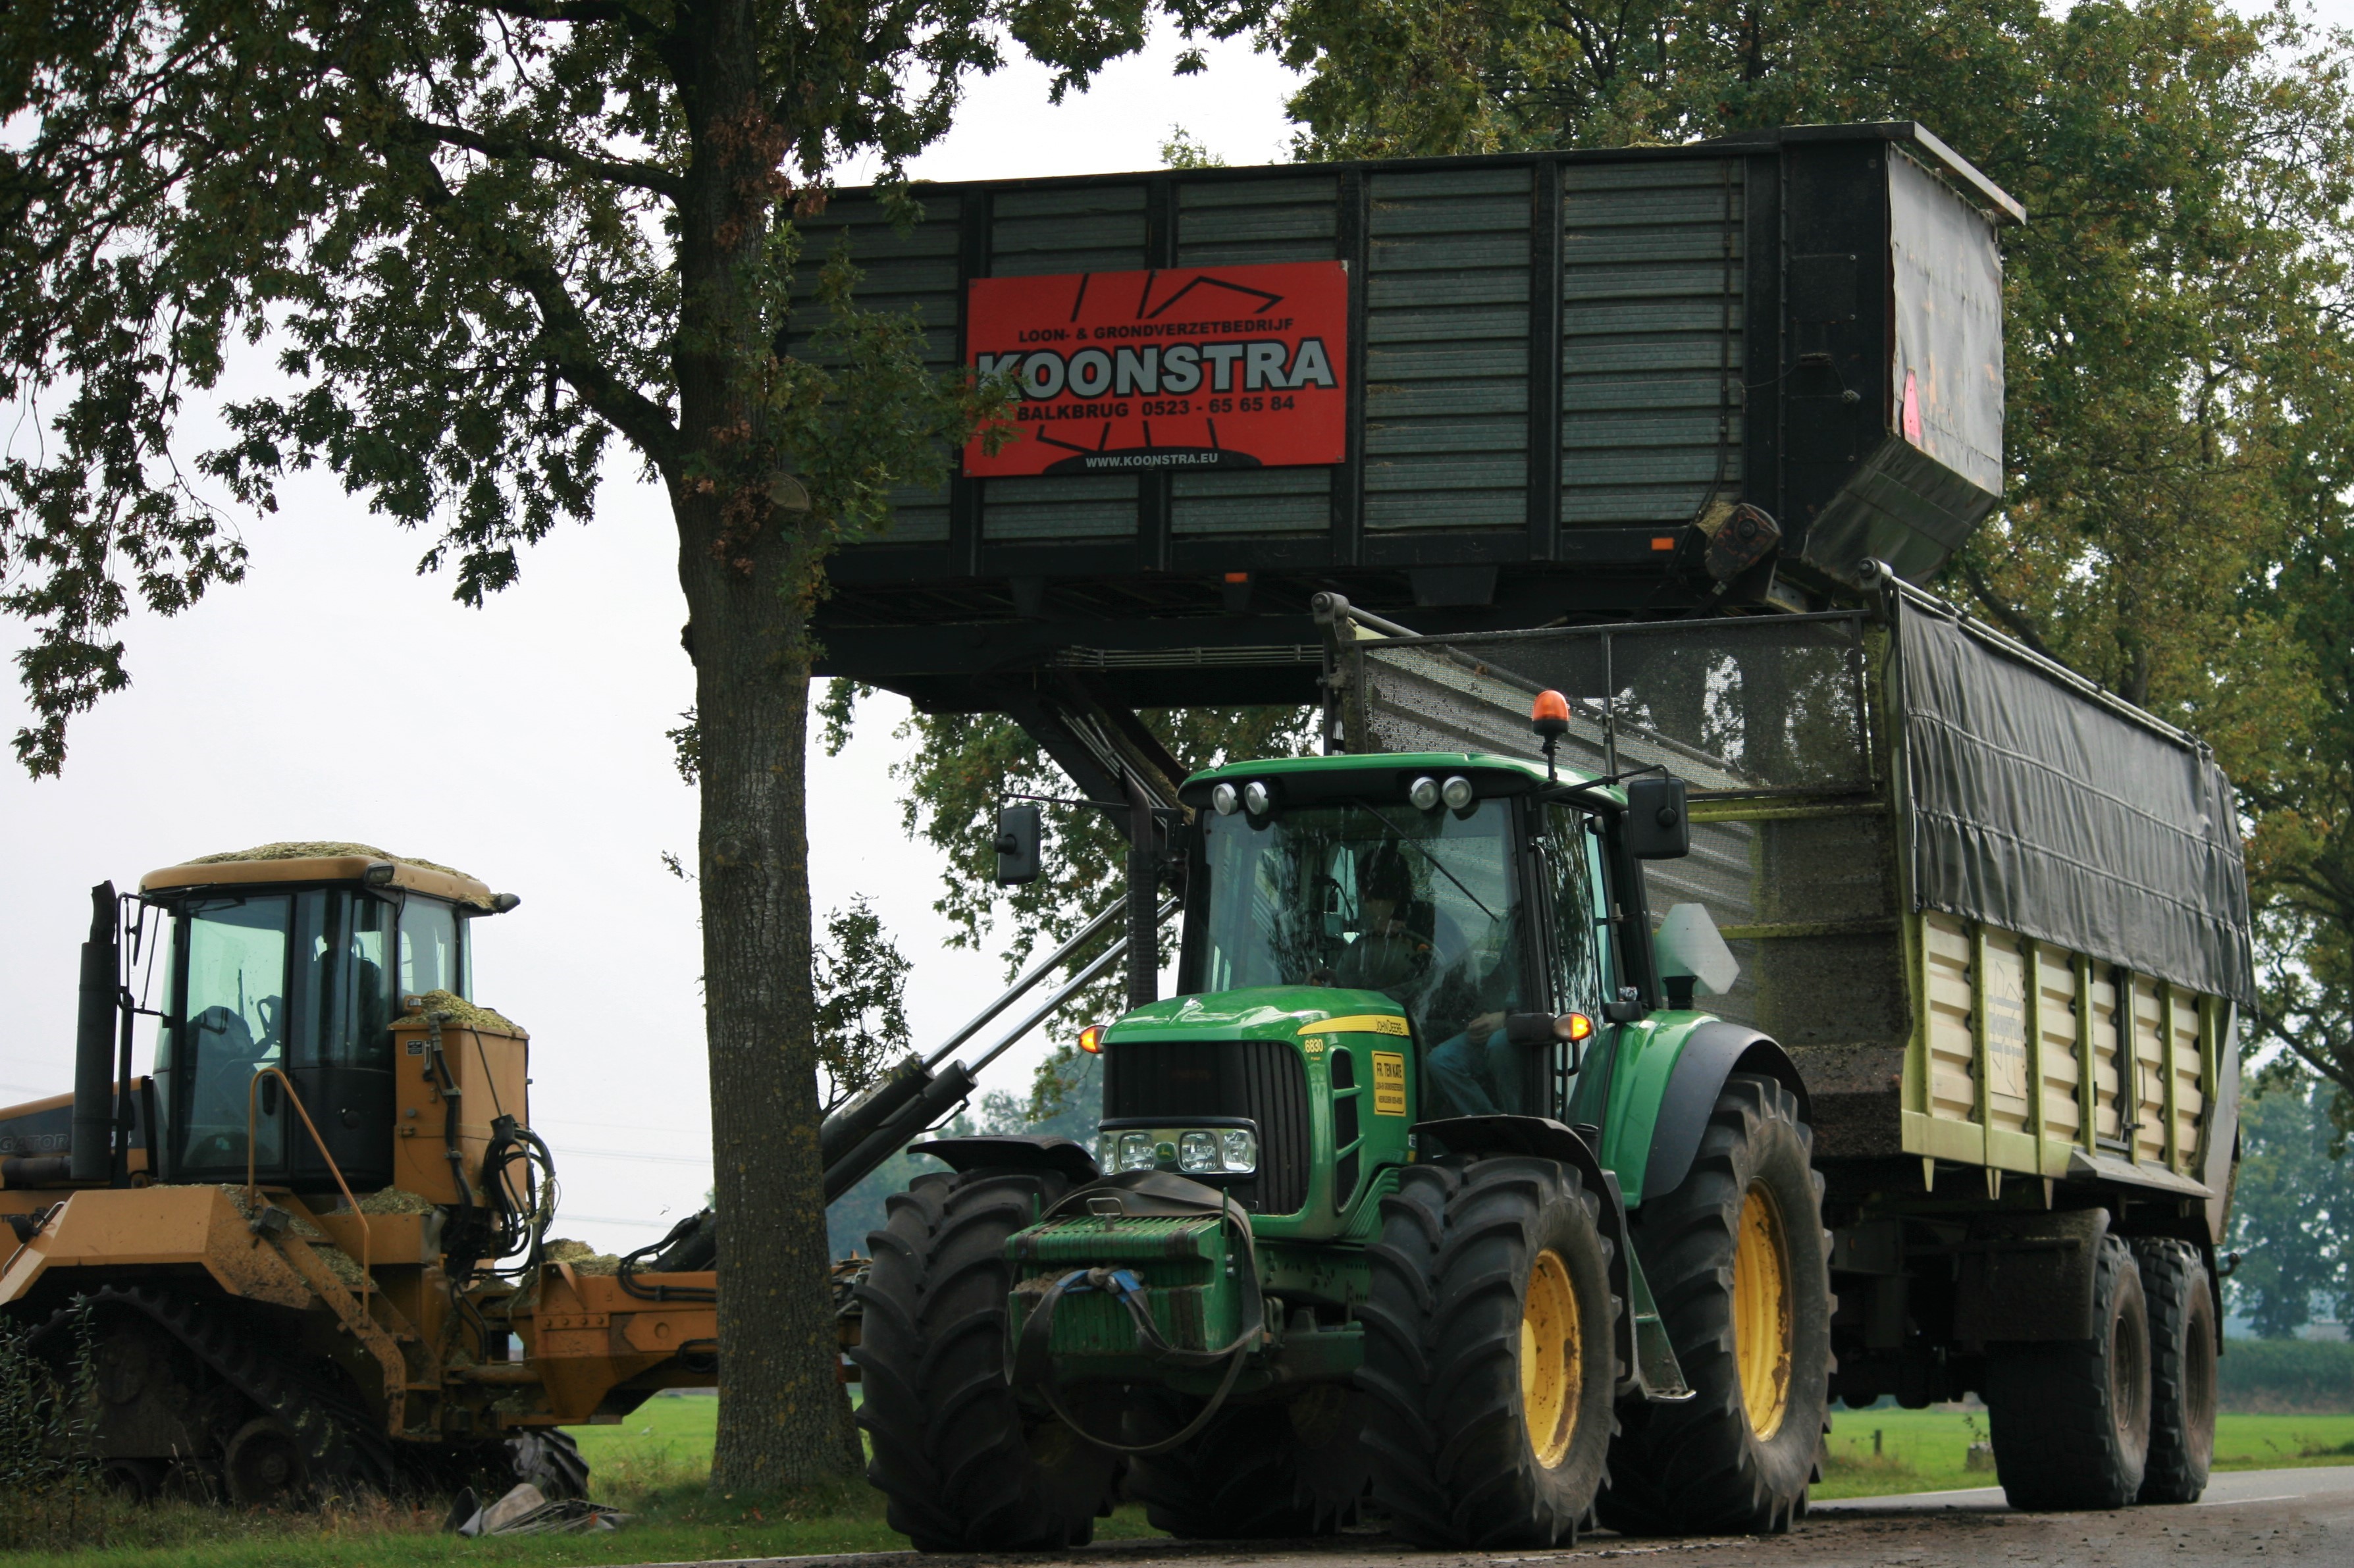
(1183, 370)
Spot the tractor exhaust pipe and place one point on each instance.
(91, 1154)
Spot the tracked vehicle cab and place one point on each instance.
(296, 956)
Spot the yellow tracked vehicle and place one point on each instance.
(307, 1252)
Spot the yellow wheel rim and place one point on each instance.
(1761, 1312)
(1552, 1369)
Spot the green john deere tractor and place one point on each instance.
(1431, 1191)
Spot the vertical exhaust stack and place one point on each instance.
(93, 1154)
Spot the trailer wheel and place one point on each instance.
(2071, 1421)
(964, 1465)
(1489, 1365)
(1256, 1472)
(2182, 1370)
(1739, 1264)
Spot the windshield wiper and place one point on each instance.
(1433, 859)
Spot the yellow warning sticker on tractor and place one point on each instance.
(1389, 1083)
(1362, 1023)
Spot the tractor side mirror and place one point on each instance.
(1019, 835)
(1657, 825)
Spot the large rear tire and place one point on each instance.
(964, 1465)
(2182, 1370)
(2071, 1421)
(1740, 1265)
(1489, 1363)
(1256, 1472)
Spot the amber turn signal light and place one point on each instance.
(1091, 1039)
(1574, 1027)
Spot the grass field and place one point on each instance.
(655, 1464)
(1925, 1450)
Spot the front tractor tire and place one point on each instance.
(965, 1467)
(1490, 1364)
(1740, 1265)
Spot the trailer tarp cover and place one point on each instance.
(2037, 809)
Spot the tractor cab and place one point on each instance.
(1443, 883)
(297, 958)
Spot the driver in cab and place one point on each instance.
(1388, 954)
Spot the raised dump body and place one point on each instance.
(1493, 389)
(1997, 916)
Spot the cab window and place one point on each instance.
(232, 1025)
(429, 947)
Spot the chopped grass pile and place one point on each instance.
(396, 1201)
(328, 849)
(462, 1014)
(583, 1257)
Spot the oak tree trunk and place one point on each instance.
(783, 1420)
(782, 1417)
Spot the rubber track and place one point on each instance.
(1697, 1466)
(1244, 1477)
(2172, 1272)
(1443, 1421)
(950, 1451)
(2048, 1410)
(339, 1449)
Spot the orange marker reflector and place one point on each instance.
(1238, 576)
(1663, 541)
(1091, 1039)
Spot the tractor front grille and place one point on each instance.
(1265, 1080)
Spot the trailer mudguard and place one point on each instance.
(1548, 1140)
(1711, 1052)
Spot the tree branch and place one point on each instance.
(619, 172)
(2012, 621)
(577, 11)
(564, 334)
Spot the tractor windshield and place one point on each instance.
(1425, 906)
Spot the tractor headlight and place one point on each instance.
(1423, 793)
(1238, 1148)
(1455, 792)
(1136, 1151)
(1197, 1151)
(1106, 1150)
(1223, 798)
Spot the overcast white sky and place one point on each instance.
(335, 694)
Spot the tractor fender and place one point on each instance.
(1548, 1140)
(1712, 1053)
(1012, 1152)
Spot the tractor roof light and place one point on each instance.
(1549, 717)
(1457, 793)
(1258, 798)
(1225, 798)
(1423, 793)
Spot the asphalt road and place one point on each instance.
(2249, 1519)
